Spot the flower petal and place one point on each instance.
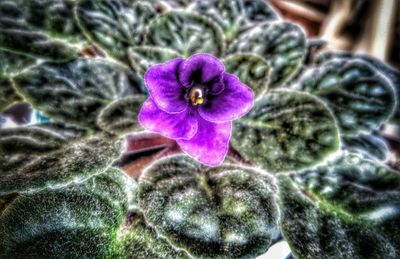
(210, 143)
(164, 86)
(203, 69)
(233, 102)
(176, 126)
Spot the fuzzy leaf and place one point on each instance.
(348, 208)
(251, 69)
(120, 116)
(227, 211)
(33, 158)
(35, 22)
(76, 92)
(391, 73)
(282, 44)
(10, 63)
(143, 57)
(79, 221)
(235, 16)
(170, 4)
(286, 130)
(54, 17)
(30, 141)
(8, 95)
(65, 132)
(372, 146)
(186, 33)
(141, 241)
(113, 24)
(360, 98)
(5, 201)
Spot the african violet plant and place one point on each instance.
(306, 163)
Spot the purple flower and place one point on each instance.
(194, 102)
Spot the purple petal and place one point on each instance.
(164, 86)
(203, 69)
(210, 143)
(176, 126)
(233, 102)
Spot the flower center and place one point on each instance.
(197, 95)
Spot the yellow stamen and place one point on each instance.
(200, 100)
(196, 95)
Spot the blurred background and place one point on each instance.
(361, 26)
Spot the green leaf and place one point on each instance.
(5, 201)
(8, 95)
(359, 96)
(79, 221)
(372, 146)
(282, 44)
(76, 92)
(251, 69)
(170, 4)
(10, 63)
(30, 141)
(227, 211)
(392, 74)
(54, 17)
(348, 208)
(19, 32)
(33, 158)
(120, 116)
(286, 130)
(186, 33)
(141, 241)
(143, 57)
(235, 16)
(13, 37)
(113, 24)
(65, 132)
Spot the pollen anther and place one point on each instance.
(196, 95)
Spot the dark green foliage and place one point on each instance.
(33, 158)
(186, 33)
(113, 24)
(170, 4)
(251, 69)
(76, 92)
(78, 221)
(372, 146)
(120, 116)
(141, 241)
(32, 28)
(10, 63)
(227, 211)
(235, 16)
(8, 95)
(55, 17)
(391, 73)
(359, 96)
(143, 57)
(348, 208)
(286, 130)
(282, 44)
